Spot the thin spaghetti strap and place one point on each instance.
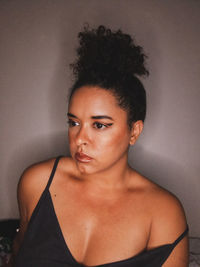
(181, 236)
(35, 211)
(53, 172)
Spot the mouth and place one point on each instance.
(81, 157)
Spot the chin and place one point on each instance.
(87, 169)
(84, 168)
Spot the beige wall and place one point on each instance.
(37, 44)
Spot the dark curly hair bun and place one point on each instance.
(108, 54)
(110, 60)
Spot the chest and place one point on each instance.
(96, 229)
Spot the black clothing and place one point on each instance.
(44, 244)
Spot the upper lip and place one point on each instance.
(83, 155)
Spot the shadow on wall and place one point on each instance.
(27, 154)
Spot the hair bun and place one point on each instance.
(107, 53)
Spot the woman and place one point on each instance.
(95, 210)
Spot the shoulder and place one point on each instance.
(168, 220)
(35, 177)
(30, 187)
(32, 183)
(167, 224)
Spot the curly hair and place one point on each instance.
(111, 60)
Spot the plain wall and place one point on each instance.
(37, 42)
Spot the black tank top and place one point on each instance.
(45, 246)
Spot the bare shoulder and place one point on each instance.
(168, 218)
(32, 183)
(30, 187)
(33, 174)
(34, 180)
(168, 223)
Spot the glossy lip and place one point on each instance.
(82, 157)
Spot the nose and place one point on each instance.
(82, 137)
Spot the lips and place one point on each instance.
(82, 157)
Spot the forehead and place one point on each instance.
(94, 101)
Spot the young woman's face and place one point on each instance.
(99, 135)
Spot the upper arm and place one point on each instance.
(169, 222)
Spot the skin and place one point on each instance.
(106, 210)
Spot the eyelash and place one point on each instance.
(70, 122)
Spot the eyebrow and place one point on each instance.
(92, 117)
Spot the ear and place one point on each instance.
(136, 131)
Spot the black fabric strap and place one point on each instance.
(53, 172)
(181, 236)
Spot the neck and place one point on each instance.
(114, 178)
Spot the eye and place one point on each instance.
(99, 125)
(72, 123)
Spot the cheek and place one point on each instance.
(114, 142)
(105, 142)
